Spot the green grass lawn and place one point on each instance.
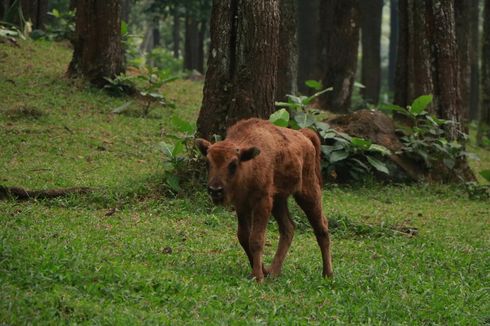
(161, 260)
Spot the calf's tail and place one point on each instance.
(315, 139)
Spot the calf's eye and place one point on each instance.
(232, 167)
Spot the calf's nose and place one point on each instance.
(215, 191)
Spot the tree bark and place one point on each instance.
(463, 38)
(484, 125)
(339, 30)
(191, 51)
(2, 9)
(475, 59)
(242, 66)
(156, 32)
(36, 11)
(428, 61)
(287, 61)
(308, 34)
(97, 45)
(394, 30)
(371, 16)
(176, 32)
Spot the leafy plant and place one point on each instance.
(426, 141)
(341, 152)
(60, 27)
(146, 85)
(181, 159)
(479, 191)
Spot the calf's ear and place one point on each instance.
(203, 146)
(249, 153)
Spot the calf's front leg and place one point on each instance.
(260, 217)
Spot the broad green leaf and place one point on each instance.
(361, 143)
(315, 84)
(420, 104)
(391, 107)
(182, 125)
(322, 126)
(304, 120)
(312, 97)
(167, 149)
(359, 85)
(485, 174)
(378, 165)
(449, 163)
(338, 156)
(285, 104)
(280, 118)
(178, 148)
(380, 149)
(124, 27)
(173, 182)
(121, 108)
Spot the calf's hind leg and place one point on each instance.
(311, 204)
(280, 212)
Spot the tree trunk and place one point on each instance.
(72, 5)
(484, 126)
(176, 32)
(287, 60)
(191, 52)
(2, 9)
(428, 61)
(339, 28)
(475, 59)
(36, 11)
(307, 29)
(463, 39)
(371, 16)
(242, 66)
(156, 32)
(394, 30)
(97, 45)
(200, 46)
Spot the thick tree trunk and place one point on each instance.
(394, 30)
(36, 11)
(156, 32)
(463, 38)
(339, 28)
(242, 66)
(308, 34)
(475, 59)
(428, 61)
(484, 126)
(371, 15)
(191, 51)
(176, 32)
(97, 44)
(287, 61)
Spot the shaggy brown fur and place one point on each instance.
(255, 169)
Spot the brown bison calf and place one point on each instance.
(255, 169)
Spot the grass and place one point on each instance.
(159, 260)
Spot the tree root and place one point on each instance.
(18, 193)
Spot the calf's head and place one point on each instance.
(224, 161)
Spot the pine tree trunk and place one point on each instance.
(394, 30)
(287, 61)
(371, 15)
(463, 38)
(428, 61)
(191, 51)
(484, 126)
(156, 32)
(475, 59)
(200, 46)
(339, 28)
(97, 44)
(36, 11)
(308, 34)
(176, 32)
(242, 66)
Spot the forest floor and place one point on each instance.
(125, 254)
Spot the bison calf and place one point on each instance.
(255, 169)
